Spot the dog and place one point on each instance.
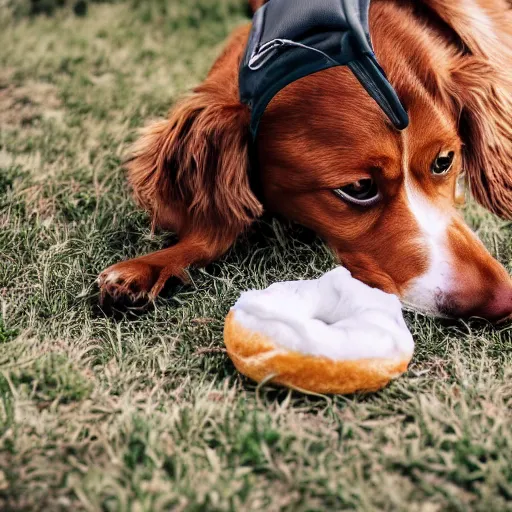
(328, 158)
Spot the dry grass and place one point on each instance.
(146, 412)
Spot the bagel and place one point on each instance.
(331, 335)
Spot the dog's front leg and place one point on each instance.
(142, 279)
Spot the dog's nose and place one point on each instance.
(496, 307)
(499, 308)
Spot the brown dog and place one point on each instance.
(328, 158)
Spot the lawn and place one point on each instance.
(146, 412)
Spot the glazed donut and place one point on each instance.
(330, 335)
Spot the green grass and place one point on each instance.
(146, 412)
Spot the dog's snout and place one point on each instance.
(482, 286)
(464, 281)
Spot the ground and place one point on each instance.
(146, 412)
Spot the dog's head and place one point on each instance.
(328, 157)
(385, 200)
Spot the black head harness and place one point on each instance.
(291, 39)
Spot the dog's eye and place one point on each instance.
(443, 163)
(362, 192)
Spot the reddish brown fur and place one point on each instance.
(191, 171)
(187, 170)
(481, 88)
(256, 4)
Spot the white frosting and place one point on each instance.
(335, 316)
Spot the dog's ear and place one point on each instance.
(192, 170)
(481, 89)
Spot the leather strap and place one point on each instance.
(291, 39)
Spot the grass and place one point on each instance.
(147, 412)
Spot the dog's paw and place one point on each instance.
(134, 283)
(127, 283)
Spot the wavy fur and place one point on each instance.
(481, 88)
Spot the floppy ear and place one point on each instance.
(481, 88)
(191, 170)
